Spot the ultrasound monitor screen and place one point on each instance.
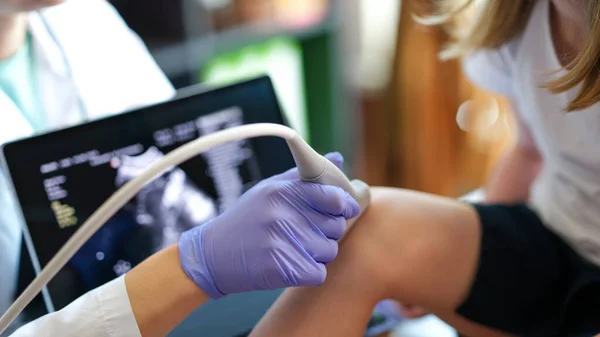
(61, 178)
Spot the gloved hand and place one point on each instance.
(280, 234)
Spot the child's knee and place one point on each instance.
(419, 246)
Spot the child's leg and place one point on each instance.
(409, 246)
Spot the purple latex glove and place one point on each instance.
(280, 234)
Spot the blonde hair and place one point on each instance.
(488, 24)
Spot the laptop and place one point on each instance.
(60, 178)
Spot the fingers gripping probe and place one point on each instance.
(311, 167)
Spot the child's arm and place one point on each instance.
(512, 178)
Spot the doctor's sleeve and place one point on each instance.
(103, 312)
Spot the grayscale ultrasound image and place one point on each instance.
(169, 205)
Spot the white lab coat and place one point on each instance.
(112, 72)
(103, 312)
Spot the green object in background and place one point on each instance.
(19, 81)
(280, 59)
(322, 95)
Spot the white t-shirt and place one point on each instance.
(566, 194)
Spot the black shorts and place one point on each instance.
(530, 282)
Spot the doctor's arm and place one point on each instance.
(284, 244)
(279, 234)
(161, 294)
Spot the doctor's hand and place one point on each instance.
(280, 234)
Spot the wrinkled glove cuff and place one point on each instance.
(193, 261)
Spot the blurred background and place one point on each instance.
(357, 76)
